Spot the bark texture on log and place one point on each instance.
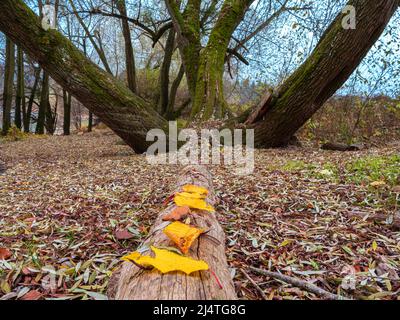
(336, 56)
(128, 115)
(132, 283)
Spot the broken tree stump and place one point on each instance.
(130, 282)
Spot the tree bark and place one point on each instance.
(8, 85)
(129, 56)
(204, 67)
(51, 115)
(187, 28)
(67, 113)
(90, 124)
(209, 101)
(125, 113)
(27, 122)
(20, 107)
(43, 105)
(164, 72)
(132, 283)
(170, 112)
(336, 56)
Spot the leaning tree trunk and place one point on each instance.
(128, 115)
(131, 283)
(336, 56)
(8, 85)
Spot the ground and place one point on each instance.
(306, 213)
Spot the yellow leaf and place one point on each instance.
(195, 189)
(200, 204)
(192, 195)
(374, 246)
(182, 235)
(166, 261)
(132, 256)
(285, 243)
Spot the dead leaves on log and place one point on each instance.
(181, 199)
(167, 261)
(181, 234)
(177, 214)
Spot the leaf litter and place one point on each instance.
(68, 203)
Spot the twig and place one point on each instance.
(216, 279)
(255, 285)
(300, 284)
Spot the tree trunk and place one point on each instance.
(164, 72)
(170, 112)
(8, 85)
(132, 283)
(336, 56)
(20, 108)
(90, 124)
(67, 113)
(51, 116)
(187, 28)
(125, 113)
(27, 122)
(43, 105)
(209, 101)
(129, 56)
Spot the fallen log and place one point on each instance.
(130, 282)
(334, 146)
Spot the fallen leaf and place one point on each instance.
(32, 295)
(4, 253)
(374, 246)
(123, 234)
(192, 195)
(195, 189)
(182, 235)
(177, 214)
(285, 243)
(166, 261)
(200, 204)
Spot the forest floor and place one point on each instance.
(306, 213)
